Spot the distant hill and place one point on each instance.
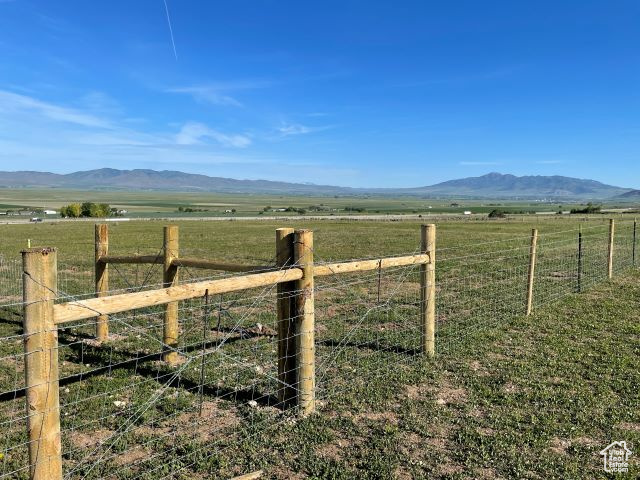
(492, 185)
(144, 179)
(500, 185)
(630, 195)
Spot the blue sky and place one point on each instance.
(360, 93)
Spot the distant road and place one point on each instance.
(393, 217)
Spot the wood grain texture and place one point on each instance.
(428, 289)
(101, 276)
(171, 328)
(41, 363)
(304, 323)
(366, 265)
(78, 310)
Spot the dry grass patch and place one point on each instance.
(85, 440)
(131, 456)
(209, 424)
(632, 427)
(559, 446)
(386, 417)
(448, 394)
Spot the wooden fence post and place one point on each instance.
(170, 279)
(633, 247)
(40, 279)
(580, 259)
(612, 228)
(286, 338)
(102, 276)
(304, 323)
(532, 269)
(428, 290)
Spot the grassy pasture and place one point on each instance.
(252, 242)
(158, 204)
(508, 396)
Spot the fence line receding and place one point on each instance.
(114, 382)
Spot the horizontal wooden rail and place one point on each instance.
(213, 265)
(131, 259)
(318, 271)
(186, 262)
(92, 307)
(364, 265)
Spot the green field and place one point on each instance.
(252, 242)
(162, 204)
(508, 396)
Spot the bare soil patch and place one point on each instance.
(89, 439)
(448, 394)
(207, 426)
(387, 417)
(632, 427)
(559, 445)
(131, 456)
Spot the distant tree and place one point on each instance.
(590, 208)
(87, 209)
(73, 210)
(495, 213)
(103, 210)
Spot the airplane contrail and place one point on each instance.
(166, 7)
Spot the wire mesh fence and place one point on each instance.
(126, 413)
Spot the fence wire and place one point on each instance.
(125, 413)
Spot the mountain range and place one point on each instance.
(491, 185)
(631, 195)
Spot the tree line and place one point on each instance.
(87, 209)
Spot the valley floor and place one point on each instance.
(537, 397)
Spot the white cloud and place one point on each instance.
(100, 102)
(207, 95)
(287, 129)
(44, 136)
(294, 129)
(15, 103)
(98, 130)
(217, 93)
(194, 133)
